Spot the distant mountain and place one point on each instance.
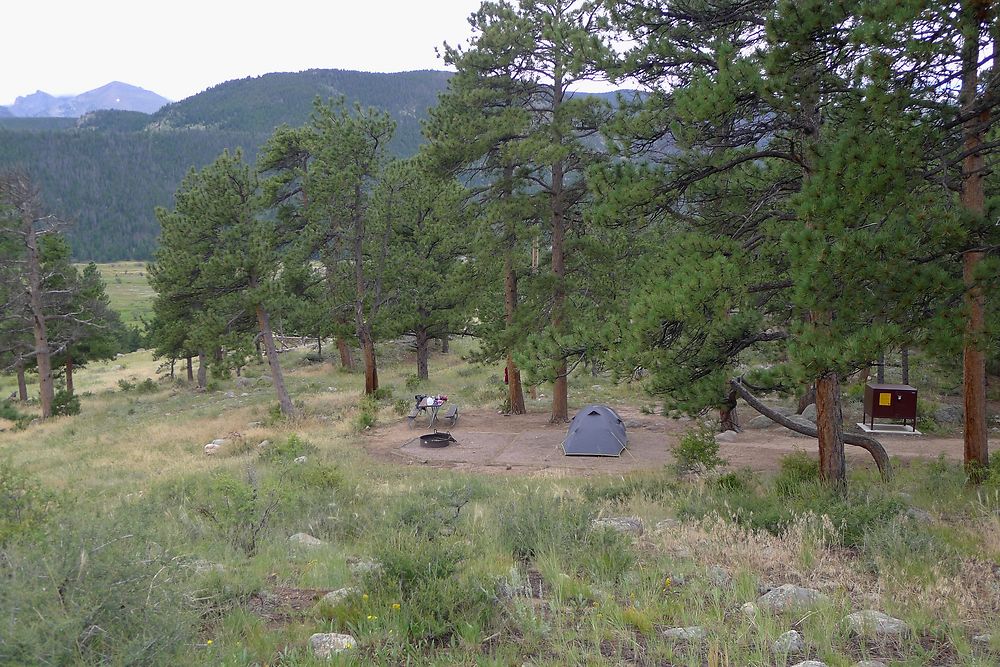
(115, 95)
(108, 170)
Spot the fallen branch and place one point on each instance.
(871, 445)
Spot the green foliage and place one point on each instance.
(10, 412)
(287, 451)
(24, 504)
(383, 393)
(530, 523)
(65, 403)
(147, 386)
(796, 469)
(125, 384)
(697, 451)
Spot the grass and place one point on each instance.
(137, 547)
(129, 290)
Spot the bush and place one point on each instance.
(533, 522)
(9, 412)
(24, 505)
(125, 384)
(697, 451)
(65, 403)
(147, 386)
(287, 451)
(796, 469)
(402, 406)
(368, 413)
(413, 382)
(383, 393)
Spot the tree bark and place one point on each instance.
(729, 420)
(22, 385)
(423, 352)
(202, 371)
(976, 445)
(39, 327)
(560, 385)
(319, 346)
(371, 366)
(346, 358)
(830, 429)
(69, 374)
(871, 445)
(190, 370)
(267, 336)
(173, 364)
(515, 394)
(445, 344)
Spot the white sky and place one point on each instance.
(180, 47)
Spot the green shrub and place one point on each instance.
(697, 451)
(287, 451)
(740, 481)
(11, 413)
(238, 509)
(402, 406)
(147, 386)
(367, 415)
(125, 384)
(383, 393)
(65, 403)
(24, 505)
(796, 469)
(413, 382)
(530, 523)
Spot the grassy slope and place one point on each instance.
(140, 503)
(129, 290)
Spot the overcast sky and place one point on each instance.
(180, 47)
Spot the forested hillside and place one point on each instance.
(109, 170)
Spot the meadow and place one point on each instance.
(122, 542)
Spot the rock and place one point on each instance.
(718, 576)
(674, 581)
(245, 382)
(362, 566)
(263, 444)
(219, 441)
(759, 422)
(301, 459)
(326, 644)
(810, 663)
(244, 394)
(870, 663)
(949, 414)
(254, 424)
(623, 524)
(202, 566)
(982, 641)
(211, 448)
(871, 622)
(339, 595)
(230, 394)
(666, 525)
(727, 436)
(691, 633)
(749, 610)
(305, 539)
(790, 642)
(919, 515)
(788, 597)
(801, 421)
(810, 412)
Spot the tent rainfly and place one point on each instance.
(596, 430)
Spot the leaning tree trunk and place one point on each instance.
(69, 374)
(22, 385)
(346, 358)
(973, 201)
(727, 413)
(267, 337)
(871, 445)
(423, 352)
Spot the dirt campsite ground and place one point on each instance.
(491, 443)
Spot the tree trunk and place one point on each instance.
(560, 385)
(371, 366)
(830, 431)
(39, 326)
(423, 352)
(69, 374)
(362, 325)
(190, 370)
(871, 445)
(807, 399)
(346, 358)
(445, 344)
(515, 394)
(905, 363)
(729, 421)
(880, 372)
(22, 385)
(319, 346)
(264, 322)
(973, 201)
(173, 363)
(202, 371)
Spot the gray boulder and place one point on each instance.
(339, 595)
(870, 663)
(871, 622)
(305, 539)
(718, 576)
(623, 524)
(982, 641)
(789, 597)
(327, 644)
(949, 414)
(810, 663)
(790, 642)
(361, 566)
(727, 436)
(692, 633)
(810, 412)
(759, 422)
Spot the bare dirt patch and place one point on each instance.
(493, 443)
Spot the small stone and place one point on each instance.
(689, 634)
(810, 663)
(211, 448)
(982, 641)
(788, 597)
(790, 642)
(254, 424)
(244, 394)
(749, 610)
(876, 623)
(326, 644)
(202, 566)
(305, 539)
(718, 576)
(362, 566)
(666, 525)
(919, 515)
(339, 595)
(263, 444)
(219, 441)
(301, 459)
(727, 436)
(870, 663)
(623, 524)
(230, 394)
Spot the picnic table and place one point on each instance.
(431, 405)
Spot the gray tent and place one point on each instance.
(597, 430)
